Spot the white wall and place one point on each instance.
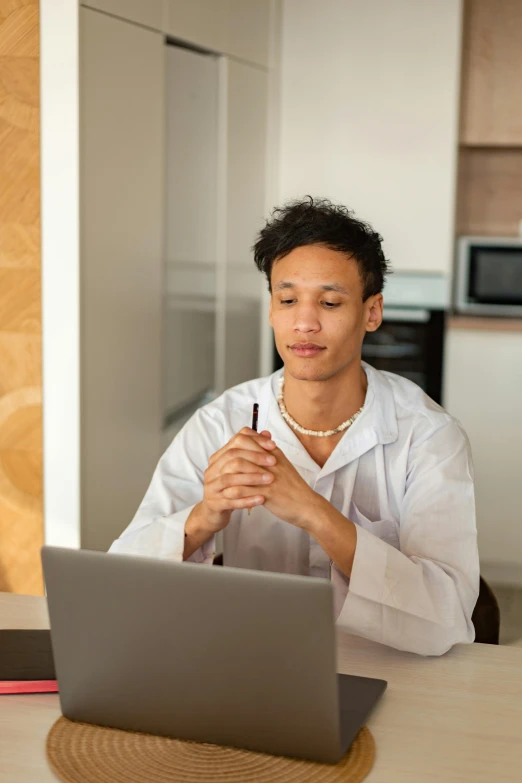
(60, 270)
(369, 111)
(483, 389)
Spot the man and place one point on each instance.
(356, 475)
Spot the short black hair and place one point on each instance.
(318, 221)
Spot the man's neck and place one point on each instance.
(324, 405)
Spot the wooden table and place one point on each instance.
(444, 720)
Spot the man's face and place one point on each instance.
(317, 312)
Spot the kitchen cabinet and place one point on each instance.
(190, 292)
(483, 389)
(489, 201)
(120, 268)
(200, 22)
(148, 13)
(216, 161)
(248, 30)
(122, 163)
(239, 28)
(489, 198)
(492, 73)
(245, 199)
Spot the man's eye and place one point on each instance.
(330, 305)
(287, 301)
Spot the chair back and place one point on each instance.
(486, 616)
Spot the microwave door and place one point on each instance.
(489, 276)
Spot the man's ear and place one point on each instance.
(374, 307)
(270, 311)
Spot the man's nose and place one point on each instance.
(306, 319)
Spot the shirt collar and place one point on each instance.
(377, 424)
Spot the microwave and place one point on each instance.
(489, 276)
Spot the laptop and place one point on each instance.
(222, 655)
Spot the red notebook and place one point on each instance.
(28, 686)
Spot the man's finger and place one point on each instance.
(237, 492)
(228, 504)
(241, 479)
(249, 431)
(253, 442)
(240, 461)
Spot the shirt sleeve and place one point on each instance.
(420, 598)
(158, 528)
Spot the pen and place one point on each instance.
(255, 413)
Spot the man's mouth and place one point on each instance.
(306, 350)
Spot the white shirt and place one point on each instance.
(402, 473)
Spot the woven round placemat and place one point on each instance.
(81, 753)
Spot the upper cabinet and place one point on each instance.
(244, 210)
(492, 73)
(122, 185)
(248, 30)
(148, 13)
(200, 22)
(235, 27)
(239, 28)
(489, 197)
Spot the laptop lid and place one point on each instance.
(222, 655)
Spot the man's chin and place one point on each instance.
(307, 372)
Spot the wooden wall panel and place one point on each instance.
(21, 517)
(492, 73)
(489, 199)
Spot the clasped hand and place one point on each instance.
(250, 470)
